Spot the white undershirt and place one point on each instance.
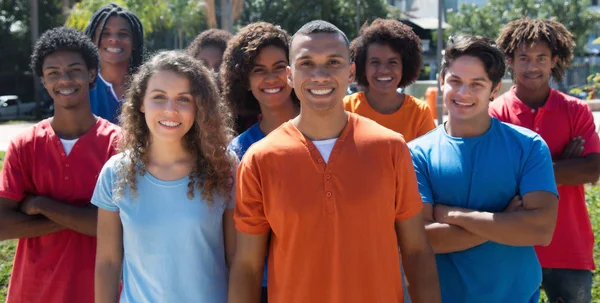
(325, 147)
(68, 145)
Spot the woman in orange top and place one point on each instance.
(387, 55)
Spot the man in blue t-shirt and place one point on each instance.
(488, 187)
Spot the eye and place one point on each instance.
(374, 62)
(183, 99)
(334, 62)
(158, 97)
(306, 63)
(258, 70)
(280, 67)
(394, 62)
(123, 35)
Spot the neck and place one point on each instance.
(323, 125)
(163, 154)
(72, 123)
(533, 98)
(468, 129)
(385, 102)
(272, 118)
(114, 74)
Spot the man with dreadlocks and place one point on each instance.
(119, 35)
(537, 50)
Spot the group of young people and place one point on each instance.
(241, 172)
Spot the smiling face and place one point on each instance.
(320, 70)
(168, 106)
(268, 80)
(467, 89)
(67, 79)
(532, 65)
(383, 68)
(116, 41)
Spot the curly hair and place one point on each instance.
(397, 35)
(479, 47)
(238, 61)
(207, 139)
(530, 31)
(99, 20)
(213, 37)
(63, 38)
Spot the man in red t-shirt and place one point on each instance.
(536, 50)
(49, 175)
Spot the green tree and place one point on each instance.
(488, 19)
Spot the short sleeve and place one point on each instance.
(427, 123)
(348, 103)
(249, 215)
(104, 190)
(408, 200)
(537, 173)
(13, 177)
(420, 167)
(586, 128)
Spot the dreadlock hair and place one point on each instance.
(399, 37)
(213, 37)
(99, 20)
(530, 31)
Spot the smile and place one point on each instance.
(321, 92)
(169, 123)
(66, 92)
(384, 79)
(114, 50)
(463, 104)
(272, 90)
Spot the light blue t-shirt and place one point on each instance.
(240, 145)
(173, 247)
(484, 173)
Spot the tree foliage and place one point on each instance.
(488, 19)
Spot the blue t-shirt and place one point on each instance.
(240, 145)
(104, 102)
(173, 247)
(484, 173)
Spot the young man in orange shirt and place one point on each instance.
(336, 192)
(536, 50)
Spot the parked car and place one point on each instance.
(11, 107)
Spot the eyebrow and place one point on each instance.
(70, 65)
(474, 79)
(278, 62)
(310, 57)
(158, 90)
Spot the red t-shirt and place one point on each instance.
(58, 267)
(561, 119)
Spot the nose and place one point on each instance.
(271, 77)
(382, 67)
(463, 90)
(170, 105)
(321, 74)
(65, 77)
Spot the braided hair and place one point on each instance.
(99, 20)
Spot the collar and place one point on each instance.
(517, 106)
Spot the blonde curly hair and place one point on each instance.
(207, 139)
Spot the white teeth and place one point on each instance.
(169, 123)
(66, 91)
(113, 50)
(321, 91)
(385, 79)
(463, 104)
(272, 90)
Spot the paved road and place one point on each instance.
(8, 131)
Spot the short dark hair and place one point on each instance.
(479, 47)
(100, 18)
(213, 37)
(530, 31)
(397, 35)
(317, 27)
(63, 39)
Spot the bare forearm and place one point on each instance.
(244, 284)
(422, 276)
(18, 225)
(106, 282)
(517, 228)
(446, 238)
(575, 171)
(82, 219)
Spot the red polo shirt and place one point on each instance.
(58, 267)
(560, 120)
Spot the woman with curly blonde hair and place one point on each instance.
(165, 205)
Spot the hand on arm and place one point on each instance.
(577, 170)
(418, 260)
(247, 270)
(530, 223)
(109, 257)
(447, 238)
(15, 224)
(82, 219)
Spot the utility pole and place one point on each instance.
(357, 17)
(34, 32)
(226, 17)
(440, 47)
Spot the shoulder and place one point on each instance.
(517, 136)
(279, 142)
(569, 101)
(38, 132)
(351, 102)
(426, 141)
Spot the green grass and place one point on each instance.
(7, 251)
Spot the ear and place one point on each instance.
(43, 82)
(92, 73)
(509, 61)
(290, 78)
(441, 83)
(496, 91)
(352, 71)
(554, 61)
(142, 109)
